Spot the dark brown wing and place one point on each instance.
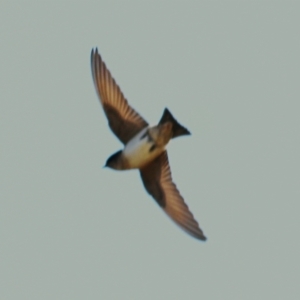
(123, 120)
(157, 180)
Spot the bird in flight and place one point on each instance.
(144, 147)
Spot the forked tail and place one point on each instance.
(178, 129)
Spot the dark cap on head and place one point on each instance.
(115, 161)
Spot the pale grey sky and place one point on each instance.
(228, 71)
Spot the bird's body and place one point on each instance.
(144, 147)
(141, 150)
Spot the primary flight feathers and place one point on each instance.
(123, 120)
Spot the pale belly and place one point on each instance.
(138, 151)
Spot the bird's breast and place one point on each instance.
(141, 150)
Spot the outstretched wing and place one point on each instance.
(157, 180)
(123, 120)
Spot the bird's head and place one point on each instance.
(115, 161)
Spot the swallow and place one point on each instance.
(144, 146)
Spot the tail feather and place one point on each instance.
(178, 129)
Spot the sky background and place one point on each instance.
(228, 71)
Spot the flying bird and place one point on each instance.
(144, 146)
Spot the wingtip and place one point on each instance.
(199, 235)
(203, 238)
(94, 51)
